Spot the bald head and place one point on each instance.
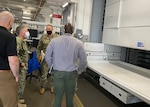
(6, 19)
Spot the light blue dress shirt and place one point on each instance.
(66, 53)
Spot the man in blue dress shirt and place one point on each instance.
(68, 58)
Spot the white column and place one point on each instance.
(83, 17)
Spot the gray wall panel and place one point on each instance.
(96, 21)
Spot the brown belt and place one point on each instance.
(4, 70)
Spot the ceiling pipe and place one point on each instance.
(37, 11)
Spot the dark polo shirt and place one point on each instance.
(7, 47)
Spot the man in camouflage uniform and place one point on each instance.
(22, 51)
(42, 45)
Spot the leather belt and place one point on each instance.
(4, 70)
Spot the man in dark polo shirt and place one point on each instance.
(9, 64)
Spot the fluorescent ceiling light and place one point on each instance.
(27, 13)
(50, 15)
(66, 4)
(26, 17)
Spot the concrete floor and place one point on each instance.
(88, 94)
(34, 99)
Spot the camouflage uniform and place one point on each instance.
(22, 51)
(42, 45)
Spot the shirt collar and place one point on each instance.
(68, 34)
(3, 27)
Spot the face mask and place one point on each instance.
(27, 35)
(10, 29)
(49, 32)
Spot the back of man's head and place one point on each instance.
(68, 28)
(6, 19)
(6, 16)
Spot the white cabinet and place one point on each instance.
(133, 13)
(127, 23)
(119, 93)
(105, 84)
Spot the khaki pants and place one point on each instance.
(8, 89)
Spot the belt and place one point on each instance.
(64, 71)
(4, 70)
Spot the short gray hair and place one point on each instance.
(19, 28)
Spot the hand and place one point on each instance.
(39, 58)
(23, 65)
(16, 78)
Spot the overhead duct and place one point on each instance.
(39, 8)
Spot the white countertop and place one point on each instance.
(132, 82)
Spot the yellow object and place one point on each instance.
(42, 90)
(21, 101)
(22, 105)
(77, 101)
(52, 89)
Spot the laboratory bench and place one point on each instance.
(120, 79)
